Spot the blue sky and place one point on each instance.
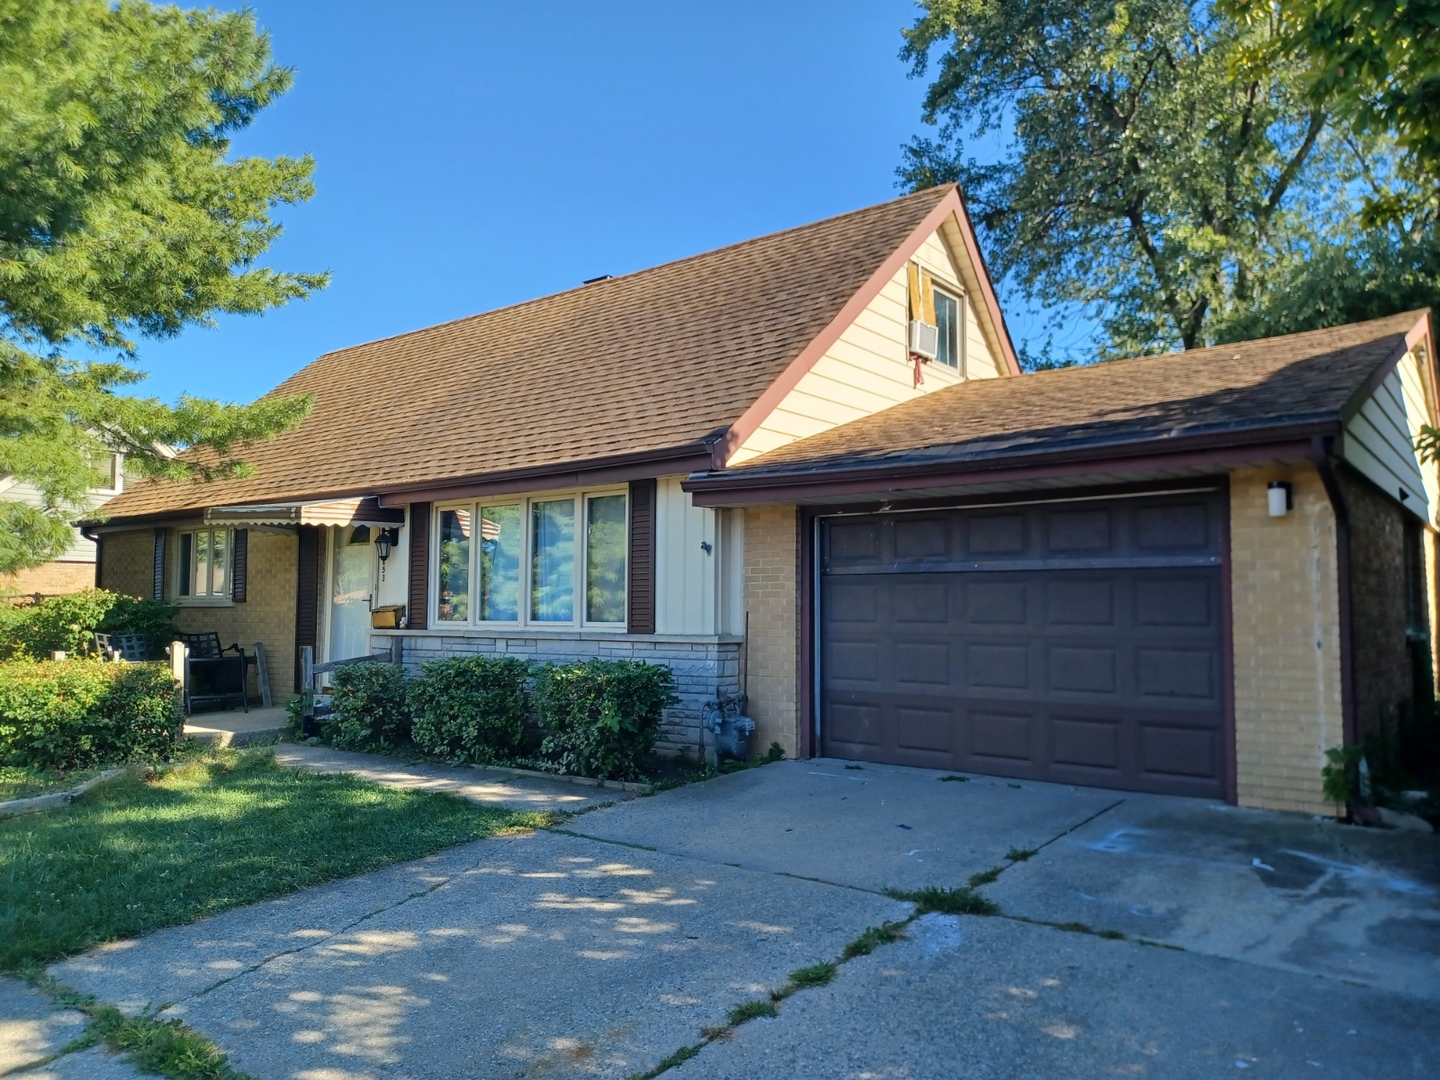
(472, 155)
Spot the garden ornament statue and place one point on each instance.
(725, 719)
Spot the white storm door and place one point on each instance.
(352, 587)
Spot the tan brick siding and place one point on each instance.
(772, 601)
(1286, 618)
(127, 562)
(268, 614)
(1384, 668)
(48, 579)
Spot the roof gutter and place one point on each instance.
(1222, 449)
(1321, 449)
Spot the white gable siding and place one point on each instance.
(869, 368)
(686, 576)
(1379, 439)
(80, 549)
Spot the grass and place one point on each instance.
(815, 975)
(985, 877)
(203, 837)
(1016, 854)
(946, 901)
(751, 1010)
(954, 778)
(23, 783)
(872, 939)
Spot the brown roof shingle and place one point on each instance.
(1244, 387)
(660, 358)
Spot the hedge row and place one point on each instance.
(81, 713)
(597, 718)
(67, 623)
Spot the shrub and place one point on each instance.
(82, 713)
(601, 717)
(369, 706)
(66, 622)
(471, 708)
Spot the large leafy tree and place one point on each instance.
(123, 216)
(1169, 168)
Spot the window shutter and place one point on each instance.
(157, 585)
(917, 309)
(417, 611)
(240, 558)
(307, 593)
(640, 598)
(927, 298)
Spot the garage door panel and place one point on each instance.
(1002, 603)
(1064, 649)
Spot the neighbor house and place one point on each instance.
(807, 467)
(74, 568)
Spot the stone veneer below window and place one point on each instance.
(701, 664)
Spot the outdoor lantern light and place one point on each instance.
(385, 541)
(1282, 497)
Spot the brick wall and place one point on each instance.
(127, 562)
(1384, 671)
(701, 664)
(772, 602)
(268, 613)
(1286, 617)
(49, 579)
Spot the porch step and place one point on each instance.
(238, 729)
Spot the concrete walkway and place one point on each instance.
(494, 787)
(1296, 948)
(237, 728)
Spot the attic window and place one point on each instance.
(949, 319)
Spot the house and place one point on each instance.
(73, 569)
(806, 466)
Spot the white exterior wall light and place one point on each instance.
(1281, 495)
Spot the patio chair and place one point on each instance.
(214, 673)
(128, 647)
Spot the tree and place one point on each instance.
(1169, 170)
(122, 216)
(1379, 62)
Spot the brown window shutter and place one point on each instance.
(239, 564)
(307, 593)
(640, 615)
(417, 611)
(157, 585)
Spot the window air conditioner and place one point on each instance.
(924, 339)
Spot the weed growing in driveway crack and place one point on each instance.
(679, 1057)
(806, 978)
(1016, 854)
(857, 768)
(751, 1010)
(954, 778)
(153, 1045)
(873, 938)
(985, 877)
(946, 901)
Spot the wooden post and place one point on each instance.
(262, 674)
(177, 651)
(307, 687)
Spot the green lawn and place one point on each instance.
(203, 837)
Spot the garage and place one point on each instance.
(1077, 641)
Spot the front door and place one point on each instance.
(352, 584)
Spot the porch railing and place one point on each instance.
(315, 703)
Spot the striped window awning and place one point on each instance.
(365, 511)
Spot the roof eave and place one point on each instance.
(1222, 449)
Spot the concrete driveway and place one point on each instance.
(1143, 936)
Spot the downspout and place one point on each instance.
(1321, 448)
(87, 531)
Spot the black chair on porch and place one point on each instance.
(214, 673)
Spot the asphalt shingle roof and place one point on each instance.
(1251, 385)
(658, 359)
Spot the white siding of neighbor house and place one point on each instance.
(80, 549)
(869, 367)
(1379, 439)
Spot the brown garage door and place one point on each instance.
(1078, 642)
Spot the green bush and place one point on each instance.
(369, 709)
(66, 623)
(81, 713)
(601, 717)
(471, 708)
